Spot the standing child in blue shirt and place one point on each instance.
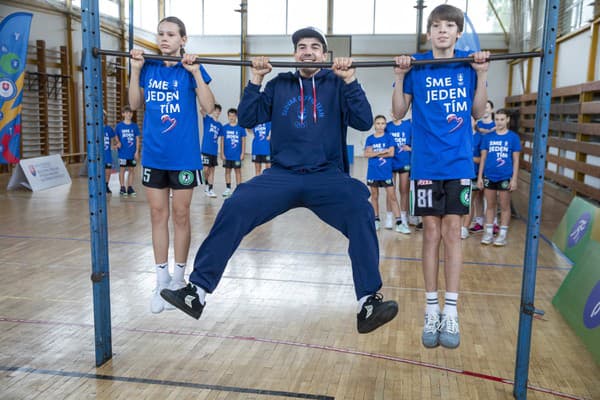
(498, 175)
(111, 142)
(210, 147)
(476, 194)
(233, 148)
(129, 150)
(443, 97)
(261, 146)
(401, 132)
(485, 125)
(171, 145)
(379, 149)
(310, 110)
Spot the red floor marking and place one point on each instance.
(309, 346)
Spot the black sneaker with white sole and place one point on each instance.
(375, 312)
(186, 299)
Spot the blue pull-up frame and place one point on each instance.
(90, 21)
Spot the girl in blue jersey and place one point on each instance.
(486, 124)
(401, 132)
(111, 142)
(210, 147)
(443, 97)
(310, 110)
(498, 174)
(129, 151)
(233, 149)
(476, 194)
(261, 147)
(171, 144)
(379, 149)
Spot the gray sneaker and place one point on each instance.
(431, 333)
(449, 332)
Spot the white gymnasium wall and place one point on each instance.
(377, 82)
(572, 61)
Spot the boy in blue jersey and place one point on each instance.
(379, 149)
(129, 150)
(498, 174)
(484, 126)
(261, 147)
(443, 97)
(171, 145)
(401, 132)
(111, 142)
(210, 147)
(309, 110)
(233, 149)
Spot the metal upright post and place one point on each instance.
(90, 27)
(538, 165)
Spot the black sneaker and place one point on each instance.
(419, 226)
(375, 313)
(108, 191)
(186, 299)
(130, 191)
(123, 191)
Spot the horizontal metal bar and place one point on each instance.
(295, 64)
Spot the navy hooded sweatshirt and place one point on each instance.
(308, 133)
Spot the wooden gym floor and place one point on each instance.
(282, 323)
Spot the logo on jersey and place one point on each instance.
(169, 122)
(454, 121)
(186, 178)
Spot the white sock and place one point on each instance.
(450, 304)
(178, 272)
(362, 301)
(403, 217)
(489, 228)
(201, 294)
(503, 231)
(162, 274)
(479, 220)
(432, 305)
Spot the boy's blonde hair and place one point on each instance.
(446, 12)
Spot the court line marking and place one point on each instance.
(191, 385)
(395, 359)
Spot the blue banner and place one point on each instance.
(468, 41)
(14, 36)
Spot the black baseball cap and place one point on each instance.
(309, 32)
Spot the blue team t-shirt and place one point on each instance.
(109, 133)
(442, 101)
(210, 138)
(402, 135)
(485, 125)
(499, 162)
(260, 143)
(379, 168)
(232, 141)
(171, 135)
(128, 134)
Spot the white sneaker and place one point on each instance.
(500, 240)
(389, 220)
(487, 238)
(464, 232)
(211, 193)
(157, 304)
(403, 228)
(227, 192)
